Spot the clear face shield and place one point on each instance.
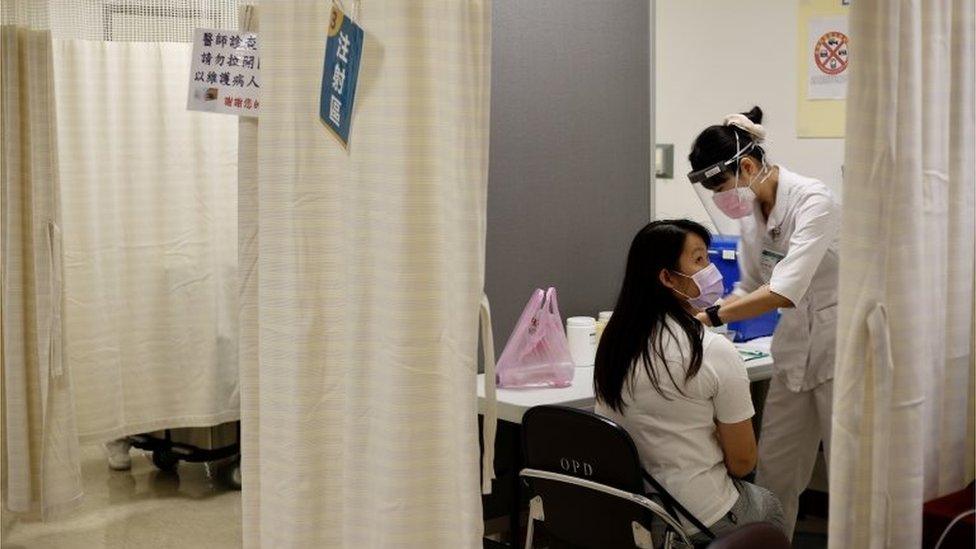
(707, 181)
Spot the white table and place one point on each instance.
(512, 403)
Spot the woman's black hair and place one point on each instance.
(717, 143)
(637, 329)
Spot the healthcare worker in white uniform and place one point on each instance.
(788, 260)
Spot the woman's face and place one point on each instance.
(726, 185)
(694, 257)
(748, 168)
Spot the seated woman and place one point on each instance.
(680, 391)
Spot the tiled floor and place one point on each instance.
(141, 508)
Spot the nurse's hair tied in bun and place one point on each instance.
(740, 135)
(750, 122)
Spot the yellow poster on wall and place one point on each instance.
(822, 51)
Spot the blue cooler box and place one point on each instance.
(723, 254)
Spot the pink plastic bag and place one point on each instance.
(537, 353)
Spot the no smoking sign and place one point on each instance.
(830, 53)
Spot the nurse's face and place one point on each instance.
(727, 185)
(748, 168)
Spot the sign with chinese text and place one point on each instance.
(343, 50)
(225, 72)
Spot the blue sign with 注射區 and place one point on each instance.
(343, 50)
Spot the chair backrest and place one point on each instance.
(581, 513)
(755, 534)
(579, 444)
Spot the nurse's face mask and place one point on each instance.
(709, 284)
(738, 201)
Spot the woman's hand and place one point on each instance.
(703, 317)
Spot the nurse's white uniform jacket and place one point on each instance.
(796, 253)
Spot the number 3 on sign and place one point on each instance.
(340, 74)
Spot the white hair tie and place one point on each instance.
(750, 127)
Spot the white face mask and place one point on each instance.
(710, 287)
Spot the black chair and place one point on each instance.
(588, 483)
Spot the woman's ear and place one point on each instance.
(749, 166)
(665, 277)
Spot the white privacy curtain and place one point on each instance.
(903, 407)
(370, 269)
(40, 465)
(150, 240)
(247, 269)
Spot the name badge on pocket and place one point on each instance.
(768, 261)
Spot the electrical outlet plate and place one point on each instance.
(664, 161)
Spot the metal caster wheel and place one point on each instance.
(165, 460)
(231, 474)
(235, 476)
(226, 472)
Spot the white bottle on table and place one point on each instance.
(581, 333)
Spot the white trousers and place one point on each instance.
(793, 426)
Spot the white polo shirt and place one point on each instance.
(676, 438)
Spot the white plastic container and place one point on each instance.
(581, 333)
